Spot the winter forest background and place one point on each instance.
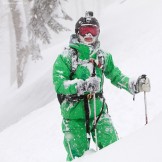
(33, 33)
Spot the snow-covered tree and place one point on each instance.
(34, 20)
(22, 50)
(44, 17)
(34, 49)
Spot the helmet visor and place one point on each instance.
(94, 30)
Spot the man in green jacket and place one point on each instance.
(78, 76)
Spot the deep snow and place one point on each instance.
(142, 146)
(131, 31)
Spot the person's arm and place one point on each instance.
(61, 76)
(63, 84)
(114, 74)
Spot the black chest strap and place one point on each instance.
(86, 108)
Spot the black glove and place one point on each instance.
(93, 84)
(142, 84)
(90, 85)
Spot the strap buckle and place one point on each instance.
(89, 96)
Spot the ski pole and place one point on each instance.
(70, 150)
(145, 102)
(94, 100)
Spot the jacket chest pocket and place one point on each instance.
(83, 71)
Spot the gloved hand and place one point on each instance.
(91, 84)
(142, 84)
(81, 87)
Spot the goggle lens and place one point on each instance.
(94, 30)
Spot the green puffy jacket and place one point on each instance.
(63, 85)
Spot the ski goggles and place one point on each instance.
(94, 30)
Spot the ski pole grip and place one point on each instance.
(143, 76)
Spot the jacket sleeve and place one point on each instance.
(114, 74)
(61, 76)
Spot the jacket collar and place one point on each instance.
(93, 48)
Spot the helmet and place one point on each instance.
(87, 20)
(87, 29)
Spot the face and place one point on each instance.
(88, 34)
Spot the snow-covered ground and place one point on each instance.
(142, 146)
(132, 32)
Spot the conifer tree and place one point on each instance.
(34, 20)
(18, 17)
(43, 18)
